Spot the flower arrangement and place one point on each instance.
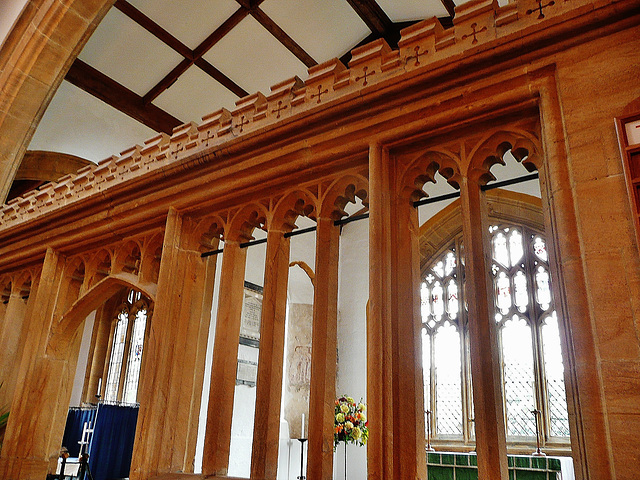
(350, 421)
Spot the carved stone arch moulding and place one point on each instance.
(342, 191)
(151, 256)
(207, 232)
(99, 266)
(128, 257)
(490, 150)
(94, 297)
(424, 168)
(246, 220)
(293, 204)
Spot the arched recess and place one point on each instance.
(35, 57)
(424, 168)
(346, 189)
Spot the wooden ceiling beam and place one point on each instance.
(220, 32)
(111, 92)
(376, 19)
(221, 77)
(274, 29)
(450, 6)
(152, 27)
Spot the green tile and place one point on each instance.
(440, 473)
(466, 473)
(530, 475)
(473, 459)
(448, 459)
(433, 458)
(522, 462)
(512, 475)
(554, 464)
(539, 462)
(510, 461)
(462, 459)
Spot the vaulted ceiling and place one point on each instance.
(154, 64)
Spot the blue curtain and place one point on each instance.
(76, 418)
(112, 443)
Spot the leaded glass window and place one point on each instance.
(127, 345)
(528, 335)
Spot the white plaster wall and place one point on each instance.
(9, 12)
(353, 294)
(81, 367)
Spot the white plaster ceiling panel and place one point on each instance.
(80, 124)
(325, 29)
(253, 58)
(190, 21)
(127, 53)
(411, 10)
(194, 95)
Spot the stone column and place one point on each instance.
(485, 358)
(217, 441)
(39, 407)
(323, 351)
(266, 430)
(380, 451)
(173, 358)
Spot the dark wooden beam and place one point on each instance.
(377, 21)
(220, 32)
(450, 6)
(274, 29)
(169, 79)
(111, 92)
(221, 77)
(152, 27)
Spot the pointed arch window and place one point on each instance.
(528, 336)
(127, 347)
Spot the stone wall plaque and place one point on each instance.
(251, 312)
(247, 373)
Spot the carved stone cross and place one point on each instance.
(474, 33)
(320, 93)
(417, 55)
(243, 122)
(365, 75)
(279, 109)
(540, 7)
(210, 134)
(179, 148)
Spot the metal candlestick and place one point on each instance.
(538, 452)
(302, 475)
(429, 447)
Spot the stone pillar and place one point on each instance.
(266, 431)
(409, 431)
(40, 404)
(380, 451)
(217, 441)
(11, 343)
(485, 358)
(323, 351)
(173, 359)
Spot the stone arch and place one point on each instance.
(423, 169)
(128, 258)
(150, 257)
(208, 232)
(34, 59)
(95, 296)
(341, 192)
(248, 218)
(99, 266)
(299, 202)
(490, 150)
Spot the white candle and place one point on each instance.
(302, 427)
(99, 385)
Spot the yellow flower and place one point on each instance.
(362, 407)
(349, 425)
(356, 432)
(340, 418)
(362, 417)
(344, 408)
(350, 400)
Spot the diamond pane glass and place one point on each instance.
(515, 247)
(554, 371)
(425, 309)
(117, 353)
(448, 381)
(453, 305)
(500, 252)
(543, 289)
(437, 293)
(503, 292)
(517, 357)
(521, 293)
(130, 392)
